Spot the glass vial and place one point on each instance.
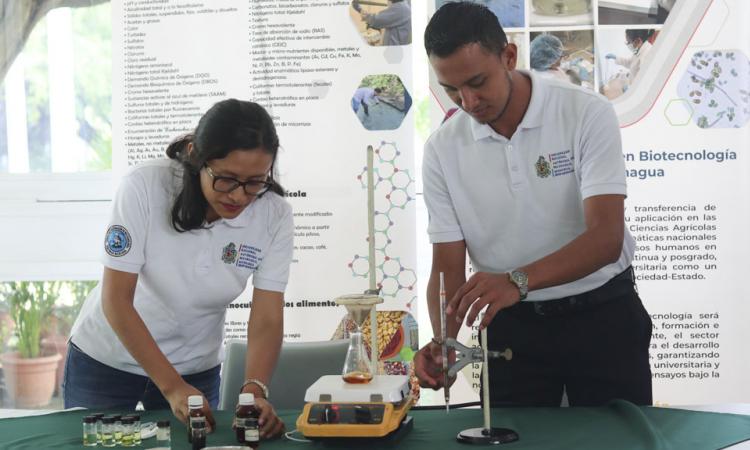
(108, 432)
(357, 364)
(117, 428)
(195, 414)
(89, 431)
(127, 439)
(198, 433)
(98, 417)
(246, 421)
(136, 428)
(163, 438)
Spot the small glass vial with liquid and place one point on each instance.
(89, 431)
(127, 439)
(246, 421)
(195, 414)
(163, 434)
(98, 417)
(108, 431)
(117, 428)
(198, 433)
(136, 428)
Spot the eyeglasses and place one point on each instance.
(227, 184)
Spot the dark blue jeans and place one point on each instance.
(93, 385)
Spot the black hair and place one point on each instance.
(228, 125)
(633, 34)
(456, 24)
(378, 90)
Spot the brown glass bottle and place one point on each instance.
(246, 421)
(195, 413)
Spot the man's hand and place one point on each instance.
(428, 366)
(483, 289)
(178, 401)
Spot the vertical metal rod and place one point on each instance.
(371, 257)
(485, 381)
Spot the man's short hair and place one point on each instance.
(378, 90)
(456, 24)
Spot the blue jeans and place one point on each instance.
(93, 385)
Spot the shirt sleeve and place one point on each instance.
(126, 235)
(601, 161)
(443, 225)
(273, 272)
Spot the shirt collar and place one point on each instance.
(531, 119)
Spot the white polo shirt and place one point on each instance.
(185, 280)
(516, 201)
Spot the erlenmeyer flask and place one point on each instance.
(357, 364)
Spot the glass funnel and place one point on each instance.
(357, 368)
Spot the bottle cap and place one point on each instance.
(89, 419)
(117, 417)
(127, 420)
(98, 416)
(136, 417)
(195, 401)
(247, 399)
(162, 423)
(108, 419)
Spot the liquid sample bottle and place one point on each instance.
(98, 426)
(89, 431)
(127, 439)
(198, 433)
(136, 428)
(246, 421)
(163, 434)
(108, 432)
(117, 428)
(195, 413)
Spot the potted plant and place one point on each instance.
(29, 374)
(56, 330)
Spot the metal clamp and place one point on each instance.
(467, 355)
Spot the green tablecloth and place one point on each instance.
(619, 425)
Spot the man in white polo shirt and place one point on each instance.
(529, 178)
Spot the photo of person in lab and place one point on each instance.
(620, 66)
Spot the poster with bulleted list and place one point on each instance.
(336, 80)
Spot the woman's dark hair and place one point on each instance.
(456, 24)
(228, 125)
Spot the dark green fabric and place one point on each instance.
(619, 425)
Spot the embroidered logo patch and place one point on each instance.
(117, 242)
(542, 167)
(246, 256)
(556, 164)
(229, 254)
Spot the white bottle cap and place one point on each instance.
(247, 399)
(195, 401)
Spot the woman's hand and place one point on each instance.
(177, 397)
(269, 423)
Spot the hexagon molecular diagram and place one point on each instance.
(395, 186)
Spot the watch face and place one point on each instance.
(519, 277)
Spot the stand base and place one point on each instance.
(484, 436)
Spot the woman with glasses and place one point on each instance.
(186, 234)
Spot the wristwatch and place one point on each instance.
(521, 280)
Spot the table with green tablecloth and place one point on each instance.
(618, 425)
